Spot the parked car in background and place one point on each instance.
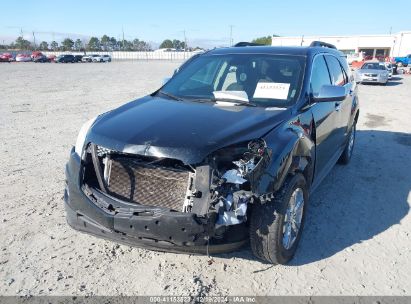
(403, 61)
(6, 57)
(372, 72)
(52, 58)
(41, 58)
(23, 58)
(101, 58)
(89, 58)
(78, 58)
(36, 54)
(85, 58)
(390, 69)
(65, 59)
(228, 150)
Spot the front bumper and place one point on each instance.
(143, 226)
(370, 79)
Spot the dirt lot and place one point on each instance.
(356, 240)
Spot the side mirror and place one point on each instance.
(330, 93)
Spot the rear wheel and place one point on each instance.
(399, 64)
(276, 226)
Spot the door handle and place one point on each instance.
(338, 105)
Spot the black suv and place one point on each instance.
(226, 152)
(65, 58)
(78, 58)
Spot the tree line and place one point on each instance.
(106, 43)
(264, 40)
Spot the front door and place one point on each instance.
(326, 117)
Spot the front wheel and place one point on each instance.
(347, 153)
(276, 226)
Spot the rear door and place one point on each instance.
(326, 117)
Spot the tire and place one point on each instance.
(268, 223)
(349, 147)
(399, 64)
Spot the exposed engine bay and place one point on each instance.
(219, 189)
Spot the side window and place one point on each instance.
(337, 76)
(319, 75)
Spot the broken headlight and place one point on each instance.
(246, 162)
(233, 193)
(82, 136)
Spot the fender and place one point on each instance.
(290, 150)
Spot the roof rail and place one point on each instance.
(247, 44)
(322, 44)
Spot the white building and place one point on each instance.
(394, 45)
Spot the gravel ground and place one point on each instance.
(357, 236)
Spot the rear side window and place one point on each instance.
(337, 76)
(319, 75)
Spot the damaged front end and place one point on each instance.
(163, 203)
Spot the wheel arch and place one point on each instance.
(291, 151)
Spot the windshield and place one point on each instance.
(260, 79)
(373, 66)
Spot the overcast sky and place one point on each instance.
(206, 23)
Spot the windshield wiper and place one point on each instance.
(170, 95)
(236, 101)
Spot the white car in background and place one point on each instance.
(101, 58)
(23, 58)
(88, 58)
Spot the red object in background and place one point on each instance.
(6, 57)
(357, 64)
(51, 57)
(36, 54)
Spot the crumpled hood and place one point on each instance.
(183, 130)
